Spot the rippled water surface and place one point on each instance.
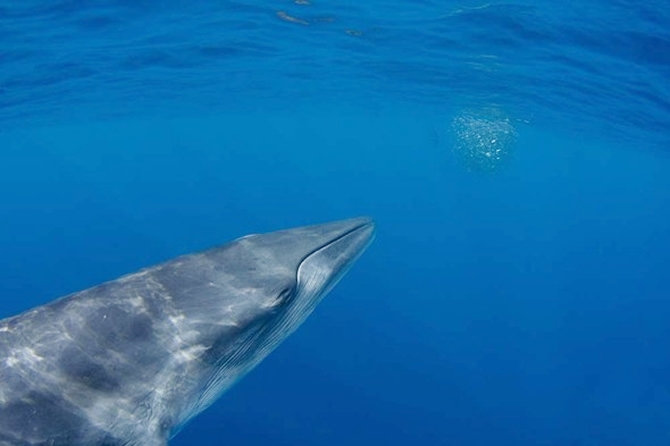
(603, 66)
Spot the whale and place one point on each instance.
(130, 361)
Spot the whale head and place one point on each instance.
(237, 302)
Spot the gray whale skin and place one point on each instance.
(130, 361)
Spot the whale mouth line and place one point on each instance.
(365, 224)
(322, 270)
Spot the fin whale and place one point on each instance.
(130, 361)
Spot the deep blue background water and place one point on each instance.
(514, 156)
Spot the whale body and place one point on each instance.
(130, 361)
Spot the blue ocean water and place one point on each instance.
(514, 156)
